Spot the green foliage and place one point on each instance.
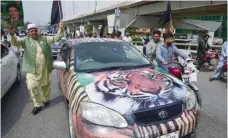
(132, 30)
(135, 38)
(89, 28)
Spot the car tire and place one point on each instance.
(193, 136)
(18, 79)
(71, 126)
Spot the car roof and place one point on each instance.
(93, 40)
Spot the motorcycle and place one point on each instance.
(185, 70)
(224, 72)
(210, 60)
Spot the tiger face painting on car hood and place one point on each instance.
(127, 91)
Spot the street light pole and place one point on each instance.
(95, 6)
(74, 7)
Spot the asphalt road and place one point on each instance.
(18, 122)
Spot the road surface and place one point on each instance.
(18, 122)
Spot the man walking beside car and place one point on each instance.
(37, 63)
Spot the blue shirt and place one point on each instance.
(224, 51)
(165, 54)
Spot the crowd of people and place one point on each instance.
(117, 35)
(164, 51)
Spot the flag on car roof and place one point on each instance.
(56, 12)
(166, 17)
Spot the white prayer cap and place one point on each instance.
(32, 26)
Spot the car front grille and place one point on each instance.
(158, 114)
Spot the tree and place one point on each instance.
(89, 28)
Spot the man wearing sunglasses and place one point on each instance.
(37, 63)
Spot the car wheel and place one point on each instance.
(18, 74)
(193, 136)
(72, 130)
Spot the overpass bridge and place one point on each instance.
(146, 14)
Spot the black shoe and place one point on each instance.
(211, 79)
(36, 110)
(46, 104)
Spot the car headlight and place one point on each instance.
(101, 115)
(190, 99)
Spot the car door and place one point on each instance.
(6, 69)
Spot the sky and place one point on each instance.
(39, 12)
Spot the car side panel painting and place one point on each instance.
(71, 87)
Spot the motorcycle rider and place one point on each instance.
(202, 48)
(222, 60)
(153, 44)
(167, 51)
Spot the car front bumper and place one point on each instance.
(55, 52)
(185, 124)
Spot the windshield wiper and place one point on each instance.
(104, 69)
(119, 68)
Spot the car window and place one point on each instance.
(130, 53)
(98, 55)
(4, 51)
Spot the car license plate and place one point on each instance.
(171, 135)
(185, 79)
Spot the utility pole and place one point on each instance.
(74, 7)
(95, 6)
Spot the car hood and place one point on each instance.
(127, 91)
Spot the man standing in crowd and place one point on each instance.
(38, 63)
(153, 44)
(94, 35)
(6, 41)
(202, 48)
(127, 38)
(222, 61)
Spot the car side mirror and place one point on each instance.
(61, 65)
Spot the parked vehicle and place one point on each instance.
(115, 91)
(10, 69)
(56, 46)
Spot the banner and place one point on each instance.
(11, 14)
(56, 12)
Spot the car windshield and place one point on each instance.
(98, 56)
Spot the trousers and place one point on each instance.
(217, 71)
(40, 94)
